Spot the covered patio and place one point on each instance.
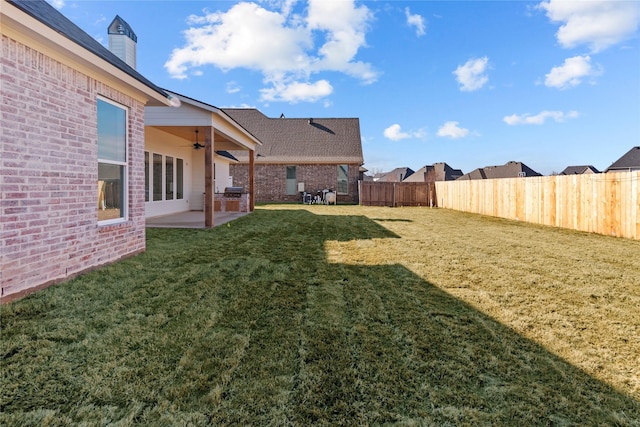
(187, 164)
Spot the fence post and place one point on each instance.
(393, 203)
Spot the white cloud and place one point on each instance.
(287, 48)
(395, 133)
(471, 75)
(596, 23)
(295, 92)
(540, 118)
(344, 27)
(415, 21)
(571, 72)
(452, 130)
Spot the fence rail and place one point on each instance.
(396, 194)
(606, 203)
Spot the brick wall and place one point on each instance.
(48, 173)
(270, 181)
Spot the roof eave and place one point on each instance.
(25, 27)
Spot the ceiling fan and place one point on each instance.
(197, 145)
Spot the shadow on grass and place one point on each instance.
(249, 324)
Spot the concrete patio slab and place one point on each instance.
(191, 219)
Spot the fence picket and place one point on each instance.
(602, 203)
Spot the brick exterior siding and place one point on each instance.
(270, 180)
(49, 173)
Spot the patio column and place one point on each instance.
(251, 180)
(209, 176)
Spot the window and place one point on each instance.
(165, 170)
(343, 179)
(157, 177)
(146, 176)
(291, 181)
(179, 179)
(168, 170)
(112, 161)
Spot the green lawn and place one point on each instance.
(336, 315)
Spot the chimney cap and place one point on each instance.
(120, 26)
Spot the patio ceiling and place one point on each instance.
(221, 141)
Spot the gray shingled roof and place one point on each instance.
(396, 175)
(288, 140)
(508, 170)
(440, 171)
(576, 170)
(631, 160)
(48, 15)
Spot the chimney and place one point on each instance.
(122, 41)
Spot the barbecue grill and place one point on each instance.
(233, 191)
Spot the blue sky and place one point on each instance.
(471, 83)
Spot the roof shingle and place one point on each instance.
(296, 140)
(629, 161)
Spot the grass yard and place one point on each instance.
(336, 315)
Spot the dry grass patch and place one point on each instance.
(576, 294)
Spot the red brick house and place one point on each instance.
(72, 150)
(296, 155)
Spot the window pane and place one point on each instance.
(343, 179)
(157, 177)
(179, 179)
(110, 191)
(112, 132)
(291, 172)
(291, 181)
(146, 176)
(169, 177)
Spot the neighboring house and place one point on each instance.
(72, 150)
(437, 172)
(508, 170)
(579, 170)
(299, 155)
(396, 175)
(627, 163)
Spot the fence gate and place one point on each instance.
(396, 194)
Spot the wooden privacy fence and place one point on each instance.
(397, 193)
(606, 203)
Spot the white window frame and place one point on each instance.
(125, 172)
(346, 181)
(149, 171)
(291, 188)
